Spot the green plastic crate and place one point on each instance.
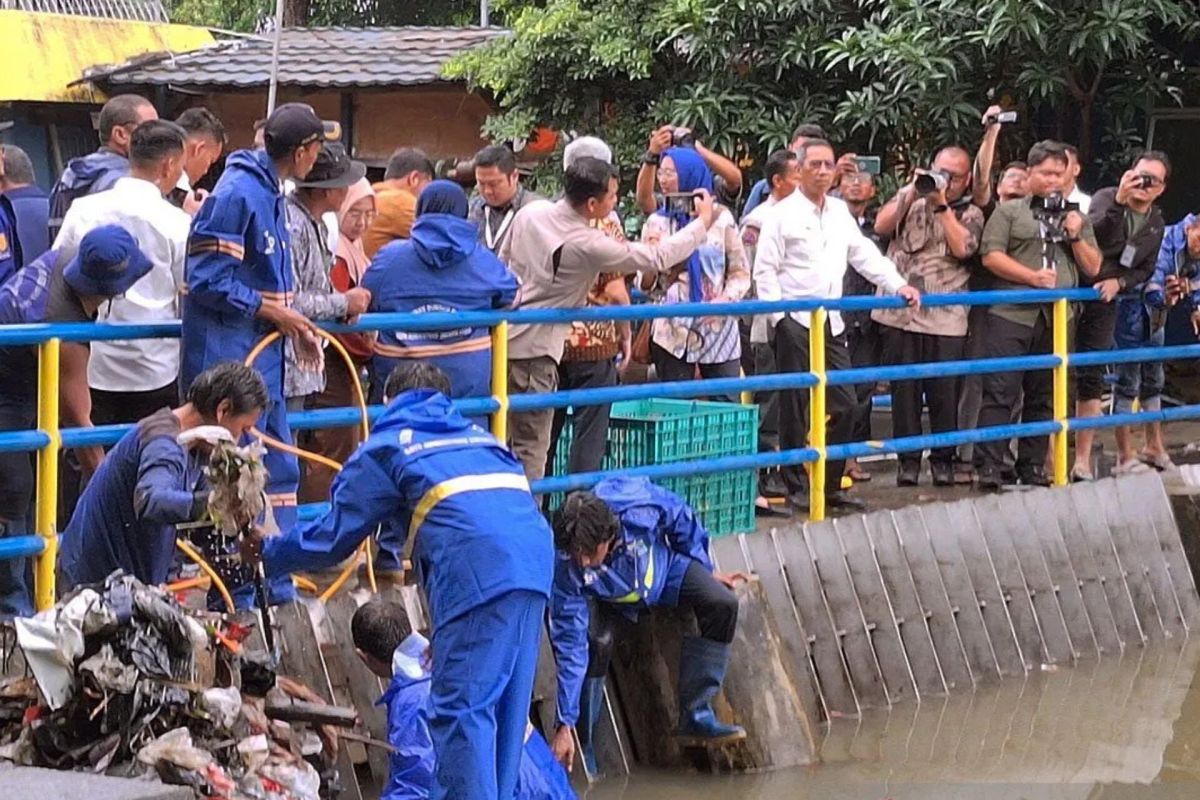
(658, 431)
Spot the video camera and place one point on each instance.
(1051, 210)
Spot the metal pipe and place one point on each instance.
(1061, 351)
(273, 88)
(816, 415)
(46, 501)
(500, 379)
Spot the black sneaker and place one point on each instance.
(1034, 476)
(990, 480)
(840, 501)
(942, 472)
(771, 485)
(908, 475)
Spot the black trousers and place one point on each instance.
(715, 607)
(908, 397)
(759, 359)
(1002, 390)
(1094, 331)
(115, 408)
(791, 355)
(670, 368)
(866, 350)
(589, 435)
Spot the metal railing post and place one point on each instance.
(46, 503)
(816, 415)
(1060, 391)
(500, 381)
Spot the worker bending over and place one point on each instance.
(150, 481)
(624, 547)
(386, 643)
(484, 556)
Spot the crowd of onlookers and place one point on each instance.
(812, 227)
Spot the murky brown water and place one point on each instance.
(1115, 728)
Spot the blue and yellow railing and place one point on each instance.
(49, 439)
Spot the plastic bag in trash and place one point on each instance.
(254, 750)
(109, 672)
(175, 746)
(224, 705)
(298, 778)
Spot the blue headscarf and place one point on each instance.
(693, 174)
(443, 197)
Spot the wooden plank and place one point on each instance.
(1012, 583)
(765, 562)
(1147, 493)
(1133, 498)
(852, 628)
(301, 658)
(726, 553)
(918, 556)
(1040, 511)
(878, 612)
(364, 687)
(911, 619)
(1137, 573)
(832, 671)
(1092, 554)
(1014, 520)
(955, 575)
(918, 559)
(963, 523)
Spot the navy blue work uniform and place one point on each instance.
(485, 557)
(126, 516)
(239, 258)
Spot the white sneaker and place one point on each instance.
(1131, 467)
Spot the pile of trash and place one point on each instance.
(127, 682)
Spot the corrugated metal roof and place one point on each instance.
(324, 57)
(145, 10)
(43, 54)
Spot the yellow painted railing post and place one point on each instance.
(47, 475)
(1060, 392)
(500, 381)
(816, 415)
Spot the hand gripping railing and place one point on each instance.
(48, 439)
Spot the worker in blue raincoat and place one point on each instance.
(624, 547)
(151, 481)
(441, 268)
(386, 643)
(484, 556)
(239, 287)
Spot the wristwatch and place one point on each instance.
(651, 159)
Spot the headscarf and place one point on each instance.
(443, 197)
(693, 174)
(352, 252)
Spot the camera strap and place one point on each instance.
(492, 239)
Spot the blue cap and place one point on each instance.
(108, 263)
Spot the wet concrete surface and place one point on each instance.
(1126, 726)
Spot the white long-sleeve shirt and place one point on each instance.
(803, 252)
(161, 231)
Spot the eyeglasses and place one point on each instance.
(667, 172)
(829, 165)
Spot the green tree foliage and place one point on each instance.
(250, 16)
(897, 77)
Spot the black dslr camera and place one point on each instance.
(930, 181)
(1051, 211)
(682, 137)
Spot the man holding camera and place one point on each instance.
(1040, 242)
(1129, 229)
(806, 242)
(935, 230)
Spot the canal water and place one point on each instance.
(1120, 727)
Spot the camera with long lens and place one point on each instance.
(681, 203)
(1051, 211)
(930, 181)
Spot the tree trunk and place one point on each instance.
(295, 13)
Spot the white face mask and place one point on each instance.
(408, 657)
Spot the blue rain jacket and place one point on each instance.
(441, 268)
(8, 241)
(426, 471)
(660, 537)
(1137, 308)
(413, 765)
(95, 172)
(29, 209)
(126, 517)
(238, 258)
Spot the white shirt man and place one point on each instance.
(806, 241)
(161, 231)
